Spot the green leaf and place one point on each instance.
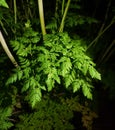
(86, 88)
(50, 82)
(26, 86)
(76, 85)
(79, 65)
(55, 75)
(21, 50)
(27, 72)
(35, 39)
(68, 80)
(94, 73)
(66, 65)
(43, 88)
(24, 63)
(35, 96)
(18, 74)
(5, 113)
(98, 76)
(3, 3)
(85, 68)
(15, 44)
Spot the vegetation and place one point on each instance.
(52, 79)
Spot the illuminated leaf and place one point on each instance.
(3, 3)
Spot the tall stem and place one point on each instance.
(6, 49)
(64, 16)
(41, 14)
(101, 33)
(106, 16)
(56, 9)
(63, 3)
(15, 12)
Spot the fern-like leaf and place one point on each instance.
(34, 96)
(66, 65)
(86, 89)
(5, 113)
(76, 85)
(68, 80)
(50, 82)
(26, 86)
(18, 74)
(94, 74)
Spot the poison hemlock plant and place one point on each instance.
(58, 61)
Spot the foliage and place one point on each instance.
(55, 114)
(8, 100)
(87, 115)
(58, 61)
(5, 113)
(8, 95)
(3, 3)
(49, 115)
(52, 62)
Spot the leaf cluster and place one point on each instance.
(58, 61)
(48, 115)
(5, 113)
(52, 114)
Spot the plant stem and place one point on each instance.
(6, 49)
(100, 34)
(56, 9)
(106, 16)
(64, 16)
(15, 12)
(2, 25)
(63, 3)
(41, 14)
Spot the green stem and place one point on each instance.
(63, 3)
(15, 12)
(6, 49)
(64, 16)
(56, 9)
(41, 14)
